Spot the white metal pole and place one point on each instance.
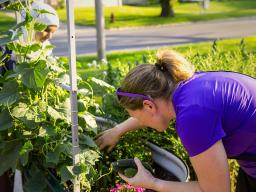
(206, 4)
(120, 3)
(100, 27)
(18, 186)
(73, 83)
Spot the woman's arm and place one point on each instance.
(130, 124)
(109, 138)
(211, 168)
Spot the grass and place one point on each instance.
(127, 16)
(6, 22)
(122, 58)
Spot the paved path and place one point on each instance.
(156, 36)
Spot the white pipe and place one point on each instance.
(17, 186)
(73, 83)
(64, 86)
(17, 181)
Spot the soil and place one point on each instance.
(163, 174)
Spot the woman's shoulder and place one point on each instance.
(207, 80)
(207, 89)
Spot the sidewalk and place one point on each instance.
(155, 36)
(138, 38)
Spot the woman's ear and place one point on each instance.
(149, 106)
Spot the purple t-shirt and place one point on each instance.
(218, 105)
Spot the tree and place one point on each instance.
(167, 8)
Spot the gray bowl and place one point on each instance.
(169, 162)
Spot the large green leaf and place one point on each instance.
(66, 173)
(24, 152)
(9, 94)
(35, 181)
(26, 114)
(28, 17)
(24, 159)
(19, 25)
(9, 155)
(43, 11)
(40, 26)
(8, 37)
(18, 48)
(29, 113)
(89, 156)
(101, 83)
(33, 76)
(42, 106)
(81, 168)
(54, 184)
(54, 113)
(88, 120)
(27, 147)
(81, 106)
(20, 110)
(86, 140)
(47, 130)
(65, 109)
(14, 6)
(35, 47)
(5, 120)
(61, 111)
(53, 156)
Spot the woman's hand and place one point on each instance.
(108, 139)
(143, 178)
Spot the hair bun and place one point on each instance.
(160, 67)
(174, 63)
(161, 61)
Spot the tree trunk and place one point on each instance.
(167, 8)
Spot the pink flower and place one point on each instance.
(120, 187)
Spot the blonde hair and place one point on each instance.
(156, 81)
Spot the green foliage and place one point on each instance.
(39, 27)
(35, 113)
(6, 120)
(9, 93)
(6, 22)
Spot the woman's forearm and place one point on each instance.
(128, 125)
(172, 186)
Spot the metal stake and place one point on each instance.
(73, 83)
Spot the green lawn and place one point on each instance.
(230, 56)
(127, 16)
(123, 58)
(6, 22)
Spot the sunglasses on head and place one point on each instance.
(120, 94)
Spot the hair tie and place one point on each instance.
(160, 67)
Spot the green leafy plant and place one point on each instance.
(35, 127)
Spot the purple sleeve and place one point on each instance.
(198, 128)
